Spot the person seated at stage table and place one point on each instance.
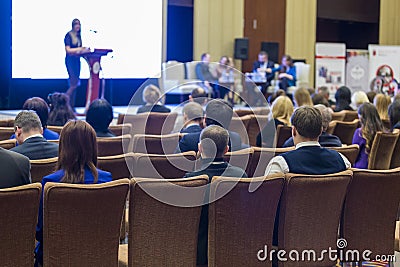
(152, 97)
(287, 73)
(192, 118)
(29, 134)
(60, 109)
(262, 65)
(99, 116)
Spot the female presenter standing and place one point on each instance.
(73, 49)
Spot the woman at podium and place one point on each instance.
(73, 49)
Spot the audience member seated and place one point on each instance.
(152, 97)
(282, 109)
(15, 169)
(275, 95)
(287, 73)
(319, 99)
(60, 109)
(343, 99)
(199, 95)
(371, 95)
(76, 165)
(324, 91)
(394, 115)
(308, 157)
(325, 139)
(302, 97)
(29, 135)
(358, 98)
(204, 74)
(218, 112)
(364, 136)
(193, 118)
(382, 102)
(99, 116)
(261, 66)
(212, 146)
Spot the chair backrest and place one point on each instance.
(110, 146)
(156, 144)
(149, 123)
(161, 234)
(350, 115)
(370, 211)
(386, 123)
(241, 220)
(164, 166)
(283, 133)
(350, 152)
(331, 127)
(7, 123)
(256, 124)
(120, 166)
(121, 129)
(18, 222)
(173, 70)
(6, 132)
(240, 158)
(240, 125)
(345, 130)
(191, 69)
(56, 129)
(338, 116)
(86, 231)
(381, 152)
(302, 73)
(7, 144)
(261, 157)
(309, 214)
(242, 112)
(42, 167)
(395, 161)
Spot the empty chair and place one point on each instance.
(163, 166)
(7, 144)
(7, 123)
(121, 129)
(395, 161)
(86, 232)
(18, 223)
(283, 133)
(120, 166)
(345, 131)
(261, 157)
(149, 123)
(109, 146)
(240, 158)
(350, 152)
(381, 153)
(370, 211)
(156, 144)
(42, 167)
(163, 232)
(309, 214)
(6, 132)
(242, 222)
(56, 129)
(240, 125)
(256, 124)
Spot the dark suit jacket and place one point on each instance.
(151, 108)
(15, 169)
(270, 64)
(194, 128)
(37, 148)
(325, 140)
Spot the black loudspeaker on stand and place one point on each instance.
(241, 48)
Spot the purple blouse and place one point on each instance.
(362, 158)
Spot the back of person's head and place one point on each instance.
(394, 113)
(382, 103)
(307, 122)
(151, 94)
(370, 123)
(204, 55)
(275, 95)
(193, 111)
(302, 97)
(371, 95)
(28, 121)
(214, 141)
(199, 95)
(100, 114)
(282, 109)
(324, 90)
(40, 106)
(219, 112)
(263, 53)
(60, 109)
(358, 98)
(77, 151)
(326, 116)
(319, 99)
(343, 98)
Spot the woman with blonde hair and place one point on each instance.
(302, 97)
(382, 102)
(282, 109)
(358, 98)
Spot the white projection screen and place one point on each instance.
(133, 29)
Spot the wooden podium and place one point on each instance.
(93, 85)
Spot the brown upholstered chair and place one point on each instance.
(345, 131)
(56, 129)
(370, 211)
(240, 125)
(309, 214)
(18, 222)
(86, 231)
(7, 123)
(350, 152)
(240, 158)
(161, 234)
(397, 237)
(41, 168)
(7, 144)
(109, 146)
(120, 166)
(338, 116)
(156, 144)
(121, 129)
(242, 112)
(149, 123)
(382, 149)
(6, 132)
(331, 127)
(164, 166)
(283, 133)
(395, 161)
(256, 124)
(350, 115)
(386, 123)
(261, 157)
(241, 220)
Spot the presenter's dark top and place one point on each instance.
(153, 108)
(68, 41)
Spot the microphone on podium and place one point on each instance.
(94, 31)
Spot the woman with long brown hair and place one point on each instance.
(364, 136)
(77, 162)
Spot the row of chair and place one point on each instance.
(312, 213)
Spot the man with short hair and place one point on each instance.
(213, 145)
(199, 95)
(324, 91)
(261, 66)
(29, 135)
(192, 117)
(308, 157)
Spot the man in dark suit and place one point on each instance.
(29, 134)
(212, 147)
(15, 169)
(218, 112)
(192, 118)
(262, 65)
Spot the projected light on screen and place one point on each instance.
(133, 29)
